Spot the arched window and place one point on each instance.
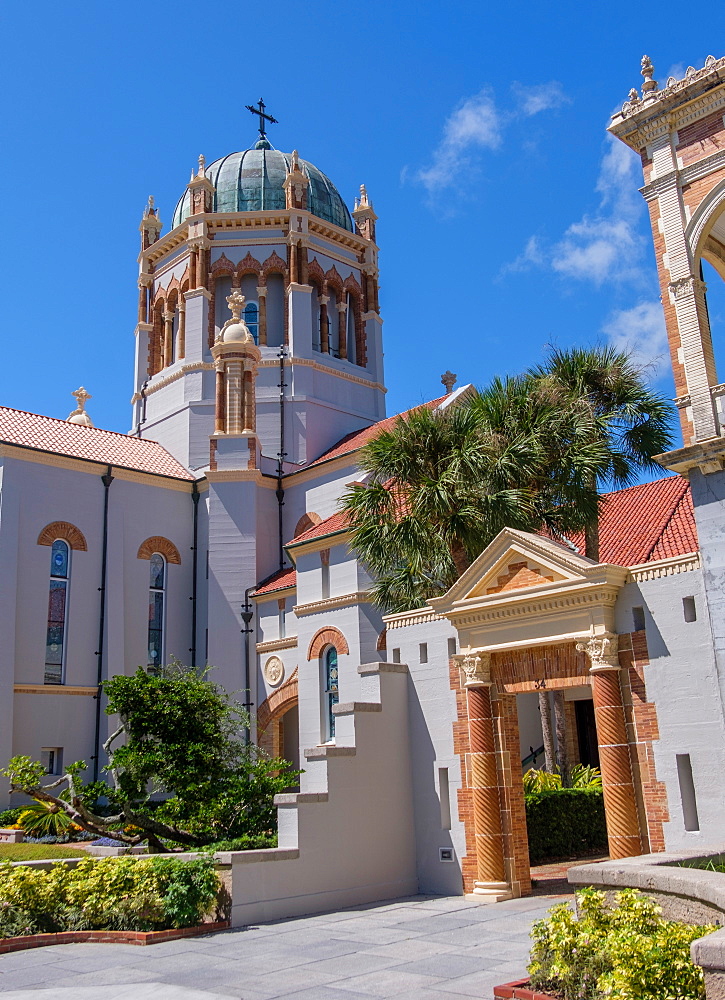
(331, 694)
(157, 584)
(251, 318)
(57, 607)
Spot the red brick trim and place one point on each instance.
(68, 532)
(274, 263)
(519, 990)
(108, 937)
(382, 643)
(248, 265)
(307, 521)
(159, 544)
(329, 636)
(279, 702)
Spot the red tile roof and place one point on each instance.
(356, 439)
(640, 524)
(645, 522)
(336, 522)
(48, 434)
(286, 577)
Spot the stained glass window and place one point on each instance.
(332, 694)
(57, 602)
(251, 318)
(156, 610)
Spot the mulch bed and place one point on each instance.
(519, 990)
(108, 937)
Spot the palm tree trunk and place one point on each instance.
(547, 732)
(591, 541)
(562, 751)
(460, 558)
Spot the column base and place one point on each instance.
(490, 892)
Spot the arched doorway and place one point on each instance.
(278, 723)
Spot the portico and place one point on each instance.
(530, 616)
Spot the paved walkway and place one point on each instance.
(424, 948)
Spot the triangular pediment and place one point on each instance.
(517, 561)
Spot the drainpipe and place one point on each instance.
(194, 566)
(281, 455)
(142, 409)
(106, 479)
(247, 615)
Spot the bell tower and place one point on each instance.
(679, 133)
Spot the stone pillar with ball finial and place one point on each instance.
(79, 415)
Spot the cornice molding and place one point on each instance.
(329, 603)
(309, 363)
(290, 642)
(666, 567)
(63, 689)
(553, 605)
(93, 468)
(192, 366)
(417, 617)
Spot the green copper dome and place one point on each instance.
(252, 181)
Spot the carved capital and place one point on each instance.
(685, 287)
(602, 652)
(476, 669)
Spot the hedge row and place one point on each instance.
(564, 823)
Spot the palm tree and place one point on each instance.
(441, 484)
(608, 403)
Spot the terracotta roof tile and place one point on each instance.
(645, 522)
(286, 577)
(639, 524)
(356, 439)
(48, 434)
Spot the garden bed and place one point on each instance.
(40, 852)
(519, 990)
(108, 937)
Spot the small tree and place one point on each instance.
(180, 768)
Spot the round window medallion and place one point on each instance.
(273, 671)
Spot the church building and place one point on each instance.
(211, 533)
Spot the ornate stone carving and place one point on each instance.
(684, 287)
(602, 652)
(476, 669)
(274, 671)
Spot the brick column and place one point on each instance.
(324, 325)
(342, 328)
(193, 266)
(182, 330)
(262, 299)
(219, 415)
(491, 884)
(620, 803)
(168, 337)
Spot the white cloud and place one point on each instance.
(640, 330)
(605, 245)
(475, 124)
(540, 97)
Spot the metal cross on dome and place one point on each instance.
(262, 117)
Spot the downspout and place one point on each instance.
(194, 567)
(106, 479)
(247, 615)
(281, 455)
(142, 408)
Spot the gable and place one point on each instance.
(516, 571)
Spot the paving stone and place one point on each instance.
(386, 982)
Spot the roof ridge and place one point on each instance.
(83, 427)
(639, 486)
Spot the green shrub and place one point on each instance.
(247, 843)
(139, 894)
(565, 822)
(9, 817)
(582, 776)
(42, 819)
(625, 953)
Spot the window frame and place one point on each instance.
(66, 602)
(255, 331)
(330, 694)
(162, 629)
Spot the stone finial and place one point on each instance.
(633, 97)
(79, 415)
(202, 165)
(448, 379)
(295, 160)
(150, 210)
(647, 71)
(235, 301)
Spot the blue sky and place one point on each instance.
(508, 219)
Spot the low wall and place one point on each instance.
(691, 895)
(348, 837)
